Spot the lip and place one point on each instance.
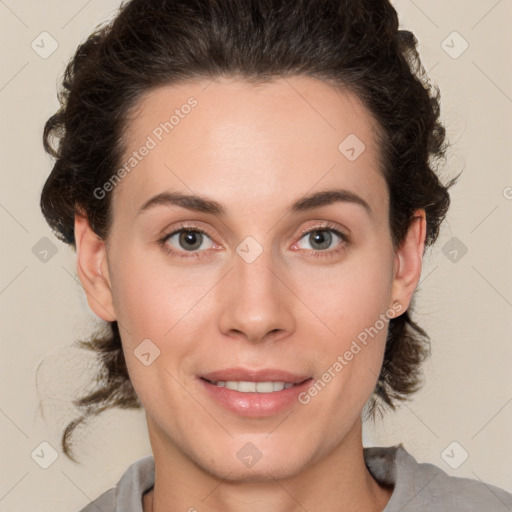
(254, 405)
(262, 375)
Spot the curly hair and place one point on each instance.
(356, 45)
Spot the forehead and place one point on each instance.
(237, 141)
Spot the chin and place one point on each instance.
(246, 463)
(259, 473)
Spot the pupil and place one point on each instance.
(321, 236)
(188, 237)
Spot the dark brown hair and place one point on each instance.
(354, 44)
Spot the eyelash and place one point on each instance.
(162, 242)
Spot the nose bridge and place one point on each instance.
(255, 301)
(254, 266)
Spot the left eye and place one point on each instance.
(322, 238)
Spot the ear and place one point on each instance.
(408, 261)
(92, 268)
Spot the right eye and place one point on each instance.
(186, 239)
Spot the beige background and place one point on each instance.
(465, 305)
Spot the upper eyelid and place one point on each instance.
(326, 227)
(179, 229)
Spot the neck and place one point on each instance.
(337, 481)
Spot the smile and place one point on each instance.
(257, 395)
(244, 386)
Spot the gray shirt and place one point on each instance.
(417, 486)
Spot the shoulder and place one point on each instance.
(106, 502)
(424, 486)
(126, 496)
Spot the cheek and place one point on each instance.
(352, 295)
(166, 306)
(150, 298)
(355, 306)
(153, 308)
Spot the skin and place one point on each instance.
(255, 150)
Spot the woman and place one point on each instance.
(250, 188)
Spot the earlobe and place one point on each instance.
(92, 269)
(408, 260)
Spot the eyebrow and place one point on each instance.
(206, 205)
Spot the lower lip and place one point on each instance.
(255, 405)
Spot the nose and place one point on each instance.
(256, 304)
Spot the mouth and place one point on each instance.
(245, 386)
(254, 393)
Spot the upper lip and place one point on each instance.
(253, 375)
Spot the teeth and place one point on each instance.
(254, 387)
(265, 387)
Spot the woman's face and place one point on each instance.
(248, 295)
